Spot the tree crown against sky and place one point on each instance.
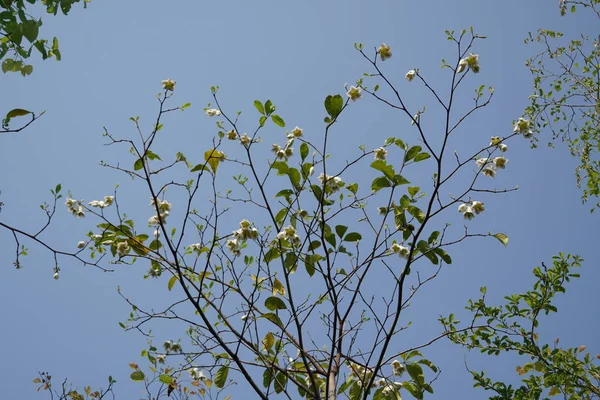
(214, 159)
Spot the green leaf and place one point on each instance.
(433, 237)
(353, 237)
(355, 392)
(303, 151)
(281, 167)
(280, 382)
(272, 254)
(273, 318)
(278, 120)
(267, 377)
(30, 30)
(413, 190)
(17, 112)
(384, 167)
(221, 376)
(380, 183)
(502, 238)
(334, 105)
(275, 303)
(417, 213)
(341, 230)
(259, 106)
(412, 153)
(137, 376)
(166, 379)
(172, 282)
(422, 156)
(139, 164)
(416, 372)
(213, 157)
(294, 175)
(27, 70)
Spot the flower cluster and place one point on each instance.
(332, 183)
(384, 51)
(523, 127)
(283, 153)
(362, 374)
(212, 112)
(410, 75)
(75, 207)
(289, 233)
(196, 373)
(380, 153)
(471, 208)
(489, 166)
(164, 207)
(471, 62)
(168, 84)
(240, 236)
(354, 93)
(400, 250)
(171, 347)
(497, 141)
(108, 200)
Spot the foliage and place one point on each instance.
(19, 36)
(307, 294)
(565, 99)
(513, 327)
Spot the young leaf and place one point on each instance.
(259, 106)
(278, 120)
(137, 376)
(502, 238)
(334, 105)
(172, 282)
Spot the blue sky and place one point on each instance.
(114, 56)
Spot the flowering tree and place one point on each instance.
(304, 294)
(565, 94)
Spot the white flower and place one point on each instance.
(156, 233)
(289, 233)
(481, 162)
(384, 51)
(494, 140)
(400, 250)
(398, 368)
(80, 244)
(197, 247)
(245, 139)
(75, 207)
(410, 75)
(56, 276)
(234, 247)
(489, 171)
(108, 200)
(212, 112)
(196, 373)
(154, 220)
(296, 133)
(168, 84)
(311, 171)
(462, 65)
(232, 135)
(380, 153)
(478, 207)
(334, 183)
(97, 203)
(122, 248)
(354, 93)
(161, 358)
(471, 62)
(500, 162)
(523, 126)
(467, 211)
(244, 317)
(163, 205)
(503, 147)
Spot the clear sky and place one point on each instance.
(116, 53)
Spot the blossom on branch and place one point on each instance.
(168, 84)
(354, 93)
(385, 51)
